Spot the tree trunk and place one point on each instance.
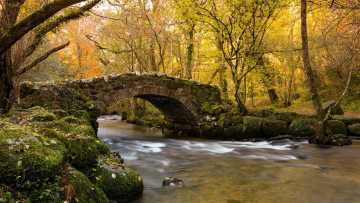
(190, 53)
(241, 106)
(273, 96)
(310, 74)
(6, 84)
(153, 66)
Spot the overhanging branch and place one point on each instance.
(40, 59)
(32, 21)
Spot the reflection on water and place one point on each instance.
(232, 171)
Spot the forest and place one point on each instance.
(280, 55)
(251, 49)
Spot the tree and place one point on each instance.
(322, 130)
(241, 26)
(38, 23)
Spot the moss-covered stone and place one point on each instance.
(285, 116)
(225, 120)
(253, 127)
(43, 117)
(354, 129)
(59, 125)
(273, 128)
(60, 113)
(236, 120)
(347, 120)
(235, 132)
(119, 182)
(71, 120)
(84, 190)
(209, 130)
(52, 134)
(210, 108)
(85, 129)
(337, 127)
(83, 153)
(25, 155)
(102, 148)
(302, 127)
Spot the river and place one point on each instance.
(233, 171)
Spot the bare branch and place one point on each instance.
(47, 27)
(40, 59)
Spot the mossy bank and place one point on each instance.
(49, 152)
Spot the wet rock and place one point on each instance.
(172, 182)
(294, 146)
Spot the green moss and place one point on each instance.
(236, 120)
(119, 182)
(210, 131)
(273, 128)
(302, 127)
(253, 127)
(209, 108)
(173, 84)
(82, 153)
(60, 113)
(284, 116)
(52, 134)
(85, 191)
(71, 120)
(26, 155)
(84, 129)
(225, 120)
(337, 127)
(102, 148)
(44, 117)
(58, 125)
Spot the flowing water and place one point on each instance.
(233, 171)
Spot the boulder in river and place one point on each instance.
(172, 182)
(119, 182)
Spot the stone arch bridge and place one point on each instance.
(179, 100)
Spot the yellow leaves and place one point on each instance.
(77, 199)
